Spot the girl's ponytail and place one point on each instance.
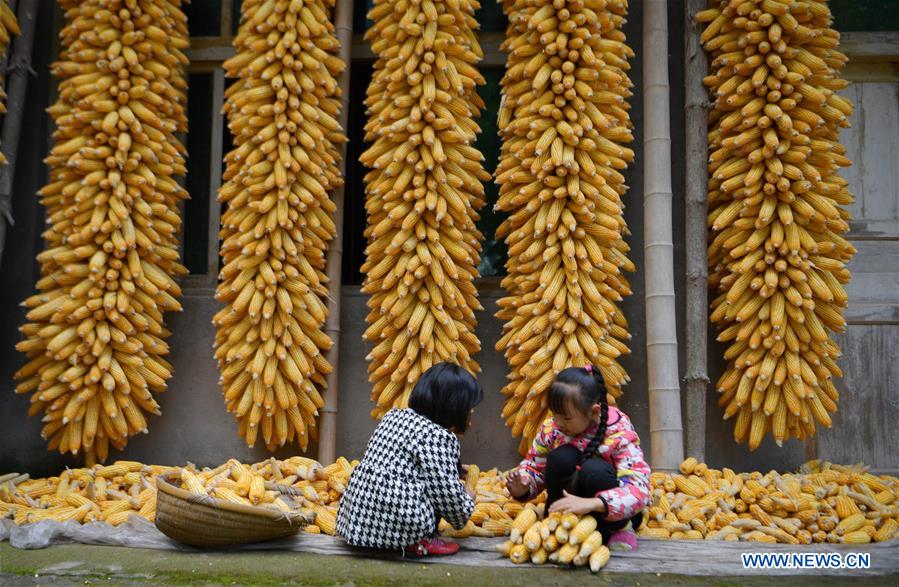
(600, 435)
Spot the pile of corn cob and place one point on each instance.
(108, 494)
(777, 212)
(422, 193)
(564, 124)
(566, 539)
(9, 26)
(236, 483)
(282, 113)
(824, 502)
(494, 509)
(122, 489)
(297, 484)
(95, 337)
(112, 493)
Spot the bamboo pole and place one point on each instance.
(17, 86)
(697, 153)
(327, 443)
(665, 425)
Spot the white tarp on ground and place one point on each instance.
(688, 557)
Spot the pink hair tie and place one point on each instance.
(588, 368)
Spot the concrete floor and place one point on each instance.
(100, 565)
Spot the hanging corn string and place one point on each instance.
(9, 26)
(423, 193)
(95, 337)
(777, 212)
(282, 113)
(564, 124)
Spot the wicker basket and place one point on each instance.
(207, 521)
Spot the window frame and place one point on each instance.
(207, 55)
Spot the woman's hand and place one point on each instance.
(519, 484)
(572, 504)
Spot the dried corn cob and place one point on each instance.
(820, 489)
(495, 510)
(591, 544)
(777, 212)
(9, 26)
(583, 530)
(107, 494)
(564, 124)
(519, 554)
(95, 333)
(422, 193)
(857, 537)
(818, 504)
(472, 478)
(325, 518)
(599, 558)
(278, 224)
(567, 553)
(522, 524)
(539, 556)
(887, 531)
(116, 491)
(569, 539)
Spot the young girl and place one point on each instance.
(409, 476)
(588, 458)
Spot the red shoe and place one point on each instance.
(431, 546)
(418, 549)
(440, 547)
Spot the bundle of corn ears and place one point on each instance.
(564, 124)
(777, 212)
(423, 193)
(282, 112)
(9, 26)
(95, 337)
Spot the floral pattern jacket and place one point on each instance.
(621, 448)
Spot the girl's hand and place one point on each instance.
(572, 504)
(463, 479)
(518, 483)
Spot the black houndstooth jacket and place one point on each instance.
(407, 480)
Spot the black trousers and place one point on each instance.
(594, 475)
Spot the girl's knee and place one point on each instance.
(562, 461)
(597, 475)
(598, 466)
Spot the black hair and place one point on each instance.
(582, 388)
(446, 394)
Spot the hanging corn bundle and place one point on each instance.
(282, 113)
(564, 124)
(95, 334)
(777, 212)
(9, 26)
(423, 193)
